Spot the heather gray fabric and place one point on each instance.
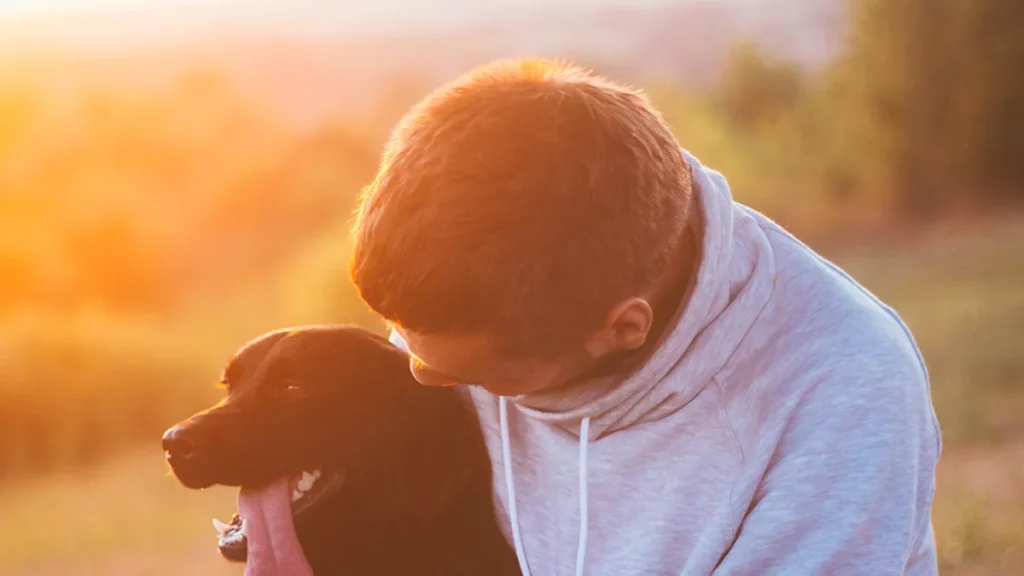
(783, 426)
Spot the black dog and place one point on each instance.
(388, 476)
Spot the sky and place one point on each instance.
(356, 9)
(15, 8)
(119, 23)
(108, 27)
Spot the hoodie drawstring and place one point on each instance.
(513, 515)
(581, 552)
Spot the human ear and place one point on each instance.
(625, 327)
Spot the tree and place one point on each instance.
(940, 83)
(756, 89)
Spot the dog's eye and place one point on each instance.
(292, 390)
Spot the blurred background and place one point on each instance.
(177, 176)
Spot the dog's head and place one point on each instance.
(309, 404)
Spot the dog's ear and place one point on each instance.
(425, 444)
(433, 464)
(425, 492)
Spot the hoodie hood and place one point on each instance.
(732, 285)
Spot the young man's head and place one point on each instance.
(522, 222)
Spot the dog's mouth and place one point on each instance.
(306, 490)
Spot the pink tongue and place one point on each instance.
(273, 546)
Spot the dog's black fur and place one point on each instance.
(416, 496)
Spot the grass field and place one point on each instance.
(126, 517)
(963, 296)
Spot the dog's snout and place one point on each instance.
(177, 444)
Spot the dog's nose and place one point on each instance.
(177, 445)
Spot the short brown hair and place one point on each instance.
(522, 200)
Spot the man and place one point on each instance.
(669, 383)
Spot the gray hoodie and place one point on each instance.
(782, 426)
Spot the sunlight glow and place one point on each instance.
(29, 7)
(19, 8)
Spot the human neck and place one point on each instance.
(672, 292)
(667, 299)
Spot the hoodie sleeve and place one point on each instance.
(849, 486)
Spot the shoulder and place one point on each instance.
(825, 347)
(820, 315)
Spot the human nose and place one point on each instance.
(426, 376)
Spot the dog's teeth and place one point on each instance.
(242, 529)
(306, 481)
(296, 495)
(221, 527)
